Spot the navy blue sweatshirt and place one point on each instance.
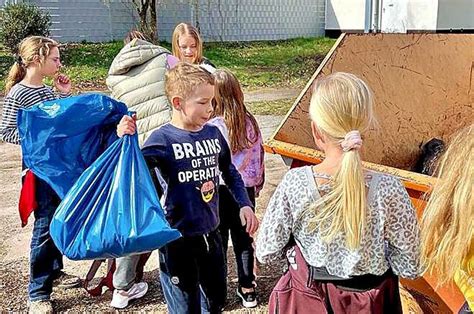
(190, 164)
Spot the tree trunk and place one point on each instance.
(153, 22)
(146, 10)
(196, 15)
(142, 10)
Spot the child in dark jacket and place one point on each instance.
(190, 156)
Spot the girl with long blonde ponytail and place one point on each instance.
(448, 219)
(355, 231)
(341, 108)
(37, 58)
(30, 49)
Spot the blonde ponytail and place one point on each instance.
(29, 48)
(15, 75)
(341, 104)
(344, 208)
(447, 225)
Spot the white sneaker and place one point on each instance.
(122, 297)
(249, 299)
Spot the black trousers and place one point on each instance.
(241, 240)
(190, 264)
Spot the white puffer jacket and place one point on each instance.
(137, 78)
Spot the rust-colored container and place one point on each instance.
(424, 88)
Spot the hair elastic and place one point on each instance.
(18, 60)
(351, 141)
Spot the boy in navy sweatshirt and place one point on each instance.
(190, 155)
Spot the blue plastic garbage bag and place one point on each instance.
(61, 138)
(113, 209)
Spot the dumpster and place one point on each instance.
(424, 88)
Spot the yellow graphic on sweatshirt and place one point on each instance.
(207, 191)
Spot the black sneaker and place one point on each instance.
(249, 299)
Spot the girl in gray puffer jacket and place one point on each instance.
(137, 78)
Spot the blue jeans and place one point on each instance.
(45, 259)
(177, 300)
(192, 274)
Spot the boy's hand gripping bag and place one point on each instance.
(113, 209)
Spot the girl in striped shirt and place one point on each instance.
(38, 57)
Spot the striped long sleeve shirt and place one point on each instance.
(21, 96)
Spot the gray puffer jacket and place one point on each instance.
(137, 78)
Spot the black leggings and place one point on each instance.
(241, 240)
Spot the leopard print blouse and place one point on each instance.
(391, 236)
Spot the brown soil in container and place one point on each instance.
(423, 86)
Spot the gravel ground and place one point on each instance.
(14, 249)
(14, 252)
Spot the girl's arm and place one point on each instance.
(62, 95)
(275, 230)
(234, 182)
(231, 176)
(8, 128)
(402, 231)
(261, 166)
(256, 163)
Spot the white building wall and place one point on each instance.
(421, 15)
(226, 20)
(263, 20)
(345, 14)
(455, 14)
(89, 20)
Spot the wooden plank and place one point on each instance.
(413, 181)
(423, 86)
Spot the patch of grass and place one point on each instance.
(274, 107)
(6, 61)
(287, 63)
(88, 64)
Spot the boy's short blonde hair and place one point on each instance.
(184, 78)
